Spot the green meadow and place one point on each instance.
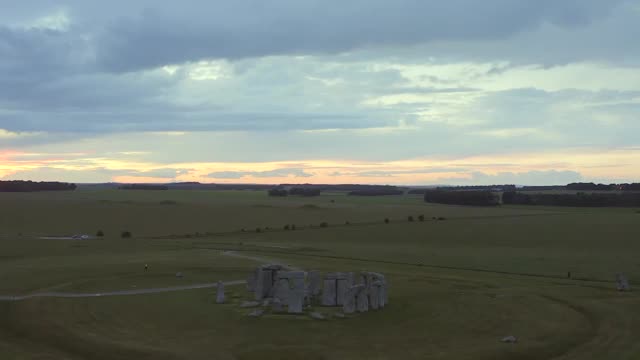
(458, 285)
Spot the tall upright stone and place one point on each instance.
(344, 281)
(622, 283)
(329, 290)
(362, 299)
(282, 290)
(374, 293)
(315, 282)
(260, 282)
(349, 302)
(267, 282)
(382, 294)
(220, 293)
(251, 282)
(295, 300)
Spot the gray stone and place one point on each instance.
(374, 295)
(349, 302)
(315, 282)
(256, 313)
(339, 315)
(276, 305)
(329, 292)
(250, 304)
(251, 282)
(343, 283)
(509, 339)
(179, 275)
(317, 316)
(267, 282)
(220, 293)
(362, 300)
(259, 292)
(382, 295)
(295, 301)
(282, 290)
(622, 283)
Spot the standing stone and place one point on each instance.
(349, 303)
(374, 298)
(329, 292)
(259, 292)
(282, 290)
(296, 295)
(315, 281)
(267, 282)
(220, 293)
(382, 295)
(251, 282)
(344, 282)
(622, 283)
(362, 300)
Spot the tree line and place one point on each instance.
(580, 199)
(470, 197)
(32, 186)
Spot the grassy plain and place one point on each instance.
(457, 286)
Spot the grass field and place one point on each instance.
(457, 286)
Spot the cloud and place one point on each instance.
(241, 29)
(277, 173)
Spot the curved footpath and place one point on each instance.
(141, 291)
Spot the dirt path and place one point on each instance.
(55, 294)
(118, 293)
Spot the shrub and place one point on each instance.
(287, 227)
(410, 218)
(386, 220)
(442, 218)
(421, 217)
(258, 230)
(347, 223)
(100, 233)
(324, 225)
(125, 234)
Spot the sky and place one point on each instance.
(402, 92)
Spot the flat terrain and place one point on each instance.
(457, 286)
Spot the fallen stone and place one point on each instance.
(317, 316)
(276, 306)
(256, 313)
(509, 339)
(339, 315)
(249, 304)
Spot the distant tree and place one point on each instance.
(278, 192)
(100, 233)
(442, 218)
(258, 230)
(347, 223)
(386, 220)
(125, 234)
(421, 217)
(287, 227)
(324, 225)
(410, 218)
(293, 226)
